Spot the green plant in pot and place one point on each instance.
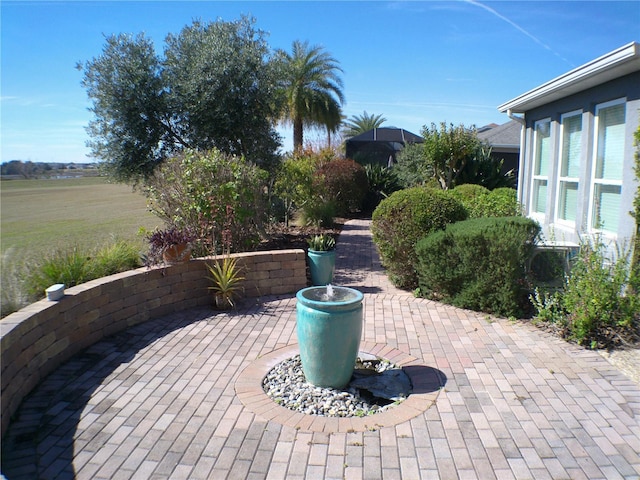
(171, 245)
(322, 258)
(226, 275)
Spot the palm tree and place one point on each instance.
(312, 89)
(358, 124)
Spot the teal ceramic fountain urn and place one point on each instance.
(329, 327)
(321, 266)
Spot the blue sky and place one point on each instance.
(414, 62)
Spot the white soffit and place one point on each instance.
(613, 65)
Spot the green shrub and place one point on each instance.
(404, 218)
(198, 190)
(382, 183)
(318, 211)
(294, 182)
(308, 185)
(412, 168)
(345, 182)
(479, 264)
(597, 306)
(117, 257)
(473, 197)
(485, 169)
(502, 202)
(482, 202)
(69, 267)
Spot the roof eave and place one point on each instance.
(613, 65)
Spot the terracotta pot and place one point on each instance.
(222, 302)
(177, 253)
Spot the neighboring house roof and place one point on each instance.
(380, 145)
(620, 62)
(387, 135)
(487, 127)
(505, 136)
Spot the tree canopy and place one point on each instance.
(450, 156)
(214, 87)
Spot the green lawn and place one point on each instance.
(39, 216)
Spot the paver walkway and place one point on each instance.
(160, 400)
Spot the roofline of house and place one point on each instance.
(615, 64)
(504, 146)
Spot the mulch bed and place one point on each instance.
(294, 236)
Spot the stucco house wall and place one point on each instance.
(610, 81)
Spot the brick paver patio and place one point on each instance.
(179, 397)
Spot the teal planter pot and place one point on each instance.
(321, 266)
(329, 331)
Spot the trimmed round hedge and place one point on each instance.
(479, 264)
(405, 217)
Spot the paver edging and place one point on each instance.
(248, 388)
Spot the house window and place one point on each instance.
(607, 167)
(568, 177)
(542, 159)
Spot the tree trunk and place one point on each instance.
(297, 135)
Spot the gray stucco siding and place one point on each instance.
(626, 87)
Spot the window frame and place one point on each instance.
(595, 182)
(542, 176)
(568, 179)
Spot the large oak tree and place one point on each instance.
(214, 86)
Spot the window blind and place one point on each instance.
(610, 143)
(607, 181)
(571, 146)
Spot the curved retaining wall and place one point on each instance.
(37, 339)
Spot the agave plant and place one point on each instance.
(227, 280)
(321, 243)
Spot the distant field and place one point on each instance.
(38, 216)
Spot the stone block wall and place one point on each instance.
(37, 339)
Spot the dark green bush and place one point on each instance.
(479, 264)
(404, 218)
(412, 168)
(345, 182)
(382, 183)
